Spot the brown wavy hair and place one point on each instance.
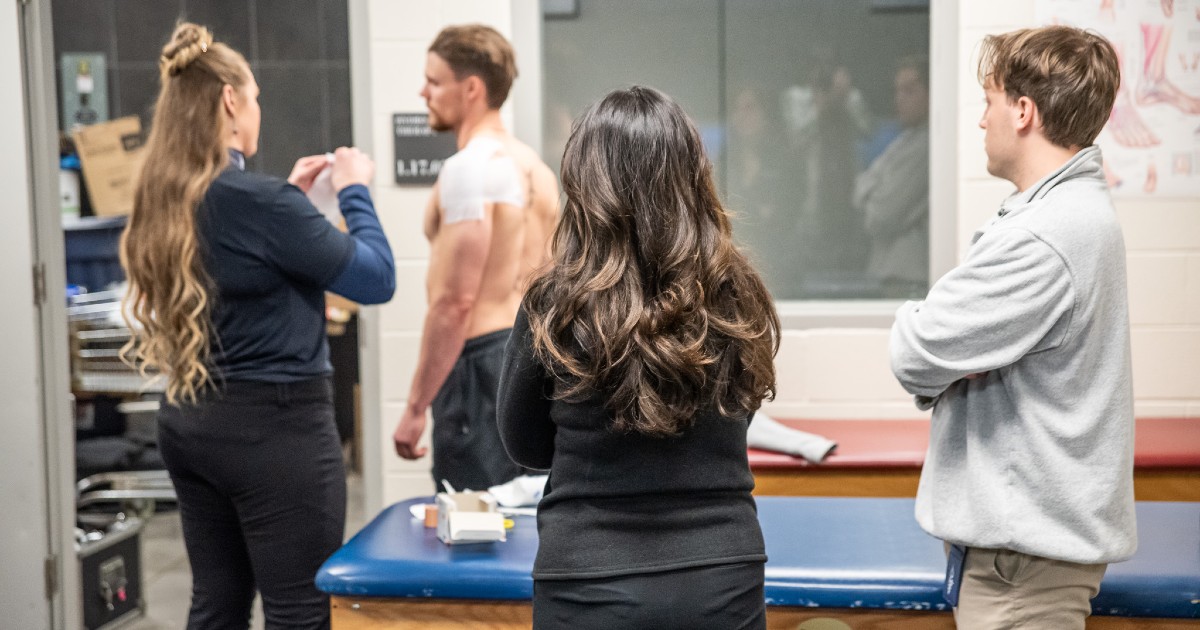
(648, 303)
(168, 304)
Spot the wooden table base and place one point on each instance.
(369, 613)
(837, 482)
(1165, 484)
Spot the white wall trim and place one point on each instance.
(944, 113)
(369, 354)
(527, 91)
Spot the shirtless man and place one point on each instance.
(488, 223)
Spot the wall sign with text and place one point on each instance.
(420, 151)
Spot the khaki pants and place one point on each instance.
(1007, 590)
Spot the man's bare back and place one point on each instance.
(520, 238)
(488, 224)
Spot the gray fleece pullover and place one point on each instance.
(1035, 455)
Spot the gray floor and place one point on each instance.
(167, 582)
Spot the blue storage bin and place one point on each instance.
(91, 248)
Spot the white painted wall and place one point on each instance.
(823, 372)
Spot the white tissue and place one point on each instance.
(525, 490)
(323, 196)
(767, 434)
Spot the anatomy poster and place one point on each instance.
(1151, 143)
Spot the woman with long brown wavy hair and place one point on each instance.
(227, 277)
(631, 374)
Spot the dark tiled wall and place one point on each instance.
(298, 50)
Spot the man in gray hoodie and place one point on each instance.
(1022, 351)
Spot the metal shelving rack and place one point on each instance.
(97, 335)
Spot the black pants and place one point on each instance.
(467, 450)
(720, 597)
(262, 495)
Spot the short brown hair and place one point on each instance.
(478, 50)
(1072, 75)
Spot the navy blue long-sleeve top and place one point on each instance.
(271, 256)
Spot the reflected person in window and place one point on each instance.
(757, 190)
(893, 193)
(826, 118)
(634, 366)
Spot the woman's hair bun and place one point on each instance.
(188, 42)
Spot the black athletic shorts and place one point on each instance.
(467, 450)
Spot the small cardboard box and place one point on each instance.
(469, 517)
(111, 155)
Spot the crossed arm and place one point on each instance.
(1013, 296)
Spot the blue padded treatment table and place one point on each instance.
(859, 560)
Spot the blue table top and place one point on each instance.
(823, 551)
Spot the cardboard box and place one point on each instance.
(469, 517)
(111, 154)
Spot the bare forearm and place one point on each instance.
(442, 340)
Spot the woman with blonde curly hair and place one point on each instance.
(631, 374)
(227, 277)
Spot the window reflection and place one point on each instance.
(892, 195)
(818, 133)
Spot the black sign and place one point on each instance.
(420, 151)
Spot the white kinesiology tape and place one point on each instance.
(476, 176)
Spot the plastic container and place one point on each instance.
(91, 246)
(69, 194)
